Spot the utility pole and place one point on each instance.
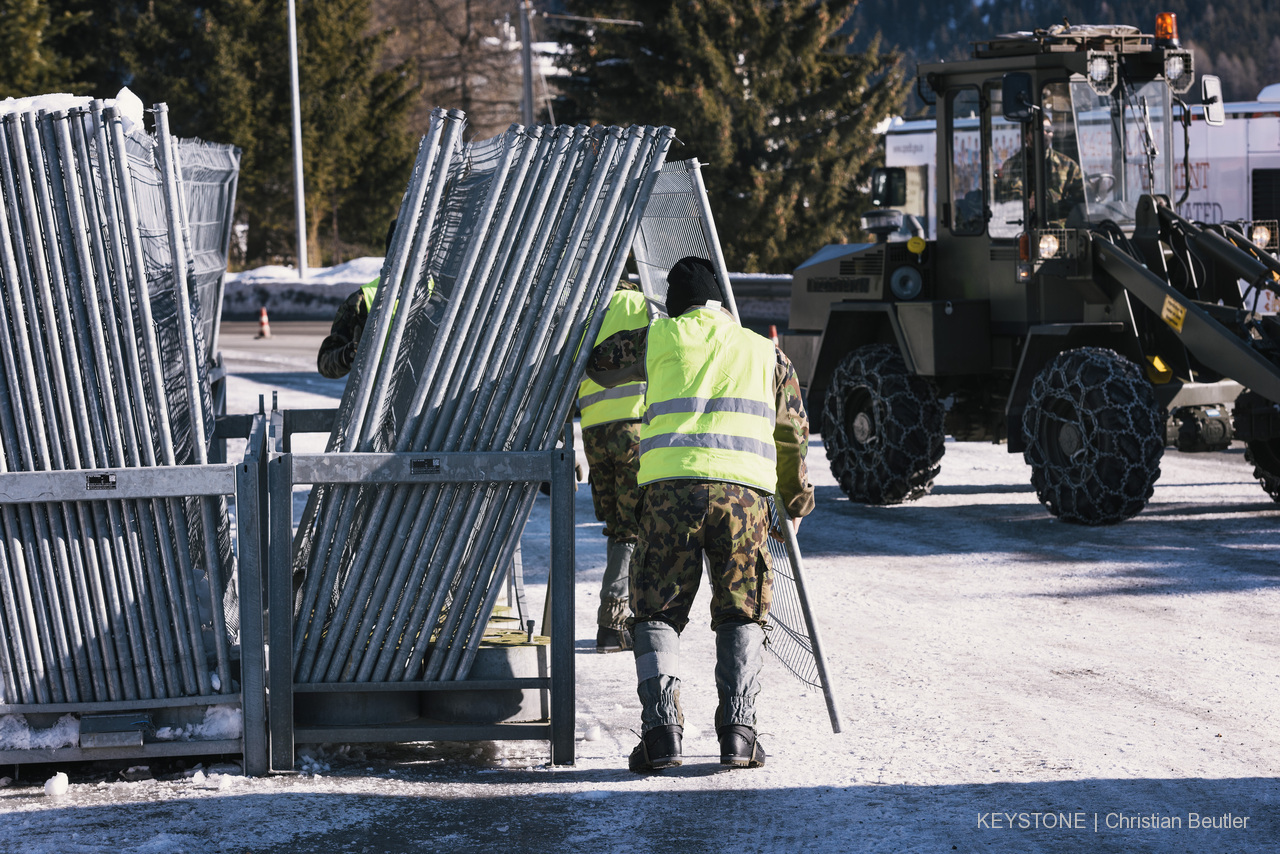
(299, 194)
(526, 59)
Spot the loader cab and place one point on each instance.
(1042, 136)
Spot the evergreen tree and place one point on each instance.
(30, 62)
(763, 93)
(222, 68)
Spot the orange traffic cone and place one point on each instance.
(773, 333)
(264, 328)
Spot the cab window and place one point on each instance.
(968, 211)
(1006, 158)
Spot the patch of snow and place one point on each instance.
(286, 295)
(57, 785)
(16, 734)
(126, 103)
(220, 723)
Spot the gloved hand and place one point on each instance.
(347, 355)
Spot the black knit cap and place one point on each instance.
(692, 281)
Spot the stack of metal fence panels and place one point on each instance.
(209, 172)
(102, 368)
(503, 253)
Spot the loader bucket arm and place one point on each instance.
(1212, 343)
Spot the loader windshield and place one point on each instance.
(1125, 140)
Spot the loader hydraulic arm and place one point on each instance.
(1229, 352)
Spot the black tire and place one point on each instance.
(882, 428)
(1094, 437)
(1264, 456)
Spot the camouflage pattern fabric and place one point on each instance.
(613, 457)
(1064, 183)
(680, 520)
(338, 350)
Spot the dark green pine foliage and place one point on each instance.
(763, 93)
(31, 62)
(222, 66)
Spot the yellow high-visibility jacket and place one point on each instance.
(710, 407)
(600, 405)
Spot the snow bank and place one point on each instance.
(286, 296)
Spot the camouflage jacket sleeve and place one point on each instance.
(338, 350)
(791, 436)
(619, 358)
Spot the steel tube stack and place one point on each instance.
(494, 280)
(104, 600)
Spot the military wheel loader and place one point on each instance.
(1065, 307)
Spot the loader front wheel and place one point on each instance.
(1264, 456)
(1094, 437)
(882, 427)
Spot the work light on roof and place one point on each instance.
(1101, 68)
(1179, 70)
(1261, 235)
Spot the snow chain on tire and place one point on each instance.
(882, 428)
(1261, 453)
(1264, 456)
(1094, 437)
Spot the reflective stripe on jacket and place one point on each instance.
(711, 405)
(600, 405)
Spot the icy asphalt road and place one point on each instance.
(1009, 683)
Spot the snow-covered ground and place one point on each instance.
(1008, 683)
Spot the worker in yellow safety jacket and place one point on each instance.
(724, 429)
(338, 349)
(610, 420)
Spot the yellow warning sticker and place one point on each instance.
(1173, 313)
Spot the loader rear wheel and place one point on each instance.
(882, 428)
(1094, 437)
(1264, 456)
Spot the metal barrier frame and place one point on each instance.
(243, 480)
(285, 469)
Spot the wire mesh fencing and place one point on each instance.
(502, 253)
(103, 600)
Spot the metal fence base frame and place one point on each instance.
(285, 469)
(244, 480)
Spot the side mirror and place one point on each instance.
(889, 187)
(1015, 100)
(1215, 113)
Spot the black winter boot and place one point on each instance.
(612, 640)
(739, 747)
(659, 748)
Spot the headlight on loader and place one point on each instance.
(1049, 246)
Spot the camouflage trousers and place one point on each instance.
(613, 455)
(680, 522)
